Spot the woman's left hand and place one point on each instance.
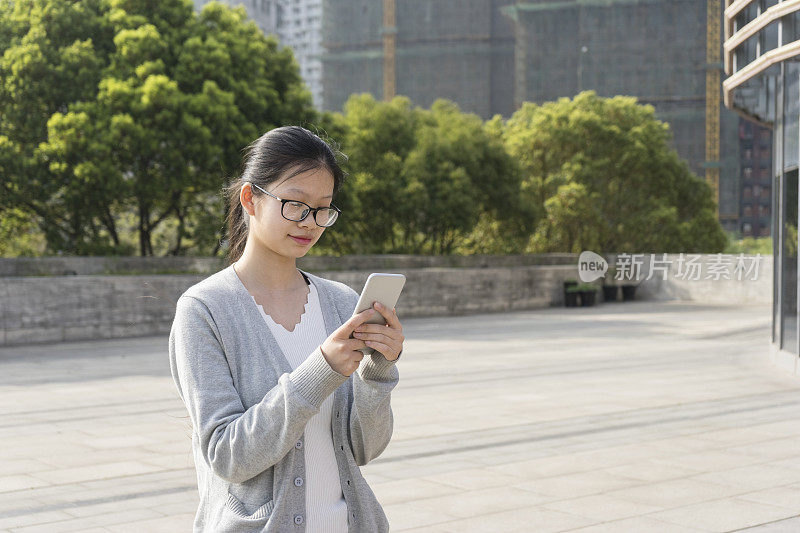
(385, 338)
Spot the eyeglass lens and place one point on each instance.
(296, 211)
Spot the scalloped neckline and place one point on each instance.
(302, 316)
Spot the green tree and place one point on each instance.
(571, 219)
(599, 174)
(166, 100)
(18, 235)
(505, 227)
(52, 54)
(457, 172)
(377, 138)
(748, 245)
(421, 179)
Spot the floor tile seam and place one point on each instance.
(97, 501)
(554, 436)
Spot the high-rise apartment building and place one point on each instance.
(263, 12)
(298, 25)
(755, 143)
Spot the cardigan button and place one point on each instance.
(298, 519)
(298, 482)
(298, 445)
(337, 414)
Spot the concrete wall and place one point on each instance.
(85, 306)
(74, 265)
(60, 308)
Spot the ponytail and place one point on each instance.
(236, 221)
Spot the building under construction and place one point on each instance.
(489, 56)
(461, 50)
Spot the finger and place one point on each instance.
(389, 315)
(384, 349)
(366, 327)
(355, 344)
(369, 314)
(345, 330)
(370, 322)
(385, 335)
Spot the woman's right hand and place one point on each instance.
(343, 352)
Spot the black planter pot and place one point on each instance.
(628, 292)
(610, 293)
(567, 285)
(571, 299)
(587, 298)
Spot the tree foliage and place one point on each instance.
(122, 117)
(116, 105)
(421, 178)
(601, 175)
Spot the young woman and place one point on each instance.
(266, 359)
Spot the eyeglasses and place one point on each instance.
(297, 211)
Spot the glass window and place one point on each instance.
(791, 146)
(795, 25)
(789, 263)
(738, 21)
(774, 338)
(769, 37)
(750, 49)
(791, 27)
(746, 15)
(745, 53)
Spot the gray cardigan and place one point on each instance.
(248, 409)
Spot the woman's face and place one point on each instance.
(269, 229)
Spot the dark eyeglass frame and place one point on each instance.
(310, 209)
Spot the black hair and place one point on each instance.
(270, 158)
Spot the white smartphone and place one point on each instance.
(380, 287)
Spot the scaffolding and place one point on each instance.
(713, 88)
(389, 34)
(461, 50)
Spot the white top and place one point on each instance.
(326, 508)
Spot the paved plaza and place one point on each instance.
(624, 417)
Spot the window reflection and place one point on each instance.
(791, 150)
(789, 262)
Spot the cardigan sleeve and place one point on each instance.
(371, 419)
(238, 443)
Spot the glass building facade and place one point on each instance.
(762, 63)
